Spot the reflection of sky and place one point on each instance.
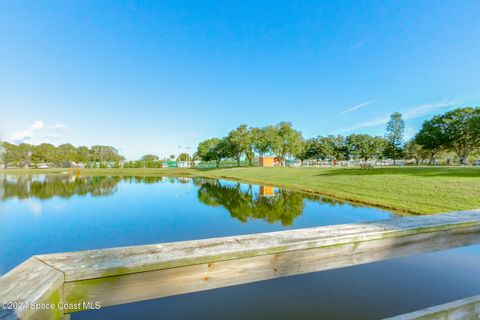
(138, 213)
(34, 206)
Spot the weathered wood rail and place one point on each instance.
(128, 274)
(468, 308)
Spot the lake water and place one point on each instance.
(55, 213)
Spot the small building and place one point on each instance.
(169, 164)
(183, 164)
(266, 161)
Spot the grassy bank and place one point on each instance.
(420, 190)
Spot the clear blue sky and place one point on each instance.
(147, 76)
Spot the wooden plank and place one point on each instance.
(464, 309)
(129, 287)
(31, 285)
(92, 264)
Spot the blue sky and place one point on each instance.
(148, 76)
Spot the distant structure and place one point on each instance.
(266, 161)
(169, 164)
(184, 164)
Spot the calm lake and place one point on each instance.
(55, 213)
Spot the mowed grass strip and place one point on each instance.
(415, 190)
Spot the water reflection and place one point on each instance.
(242, 201)
(49, 186)
(57, 213)
(266, 202)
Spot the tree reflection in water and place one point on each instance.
(283, 205)
(49, 186)
(242, 201)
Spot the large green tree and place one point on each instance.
(287, 141)
(239, 143)
(325, 148)
(105, 154)
(83, 155)
(336, 147)
(9, 153)
(184, 157)
(364, 146)
(148, 161)
(462, 131)
(415, 151)
(457, 130)
(211, 150)
(149, 158)
(395, 132)
(44, 153)
(309, 149)
(264, 139)
(433, 136)
(23, 154)
(65, 153)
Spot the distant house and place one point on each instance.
(42, 166)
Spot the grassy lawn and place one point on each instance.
(419, 190)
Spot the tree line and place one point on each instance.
(66, 155)
(25, 155)
(456, 131)
(283, 141)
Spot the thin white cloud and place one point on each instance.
(22, 136)
(424, 109)
(38, 133)
(407, 113)
(356, 107)
(370, 123)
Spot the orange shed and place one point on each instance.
(266, 161)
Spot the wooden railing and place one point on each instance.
(468, 308)
(82, 280)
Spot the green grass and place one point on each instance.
(416, 190)
(419, 190)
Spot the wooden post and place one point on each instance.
(31, 290)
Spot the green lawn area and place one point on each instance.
(419, 190)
